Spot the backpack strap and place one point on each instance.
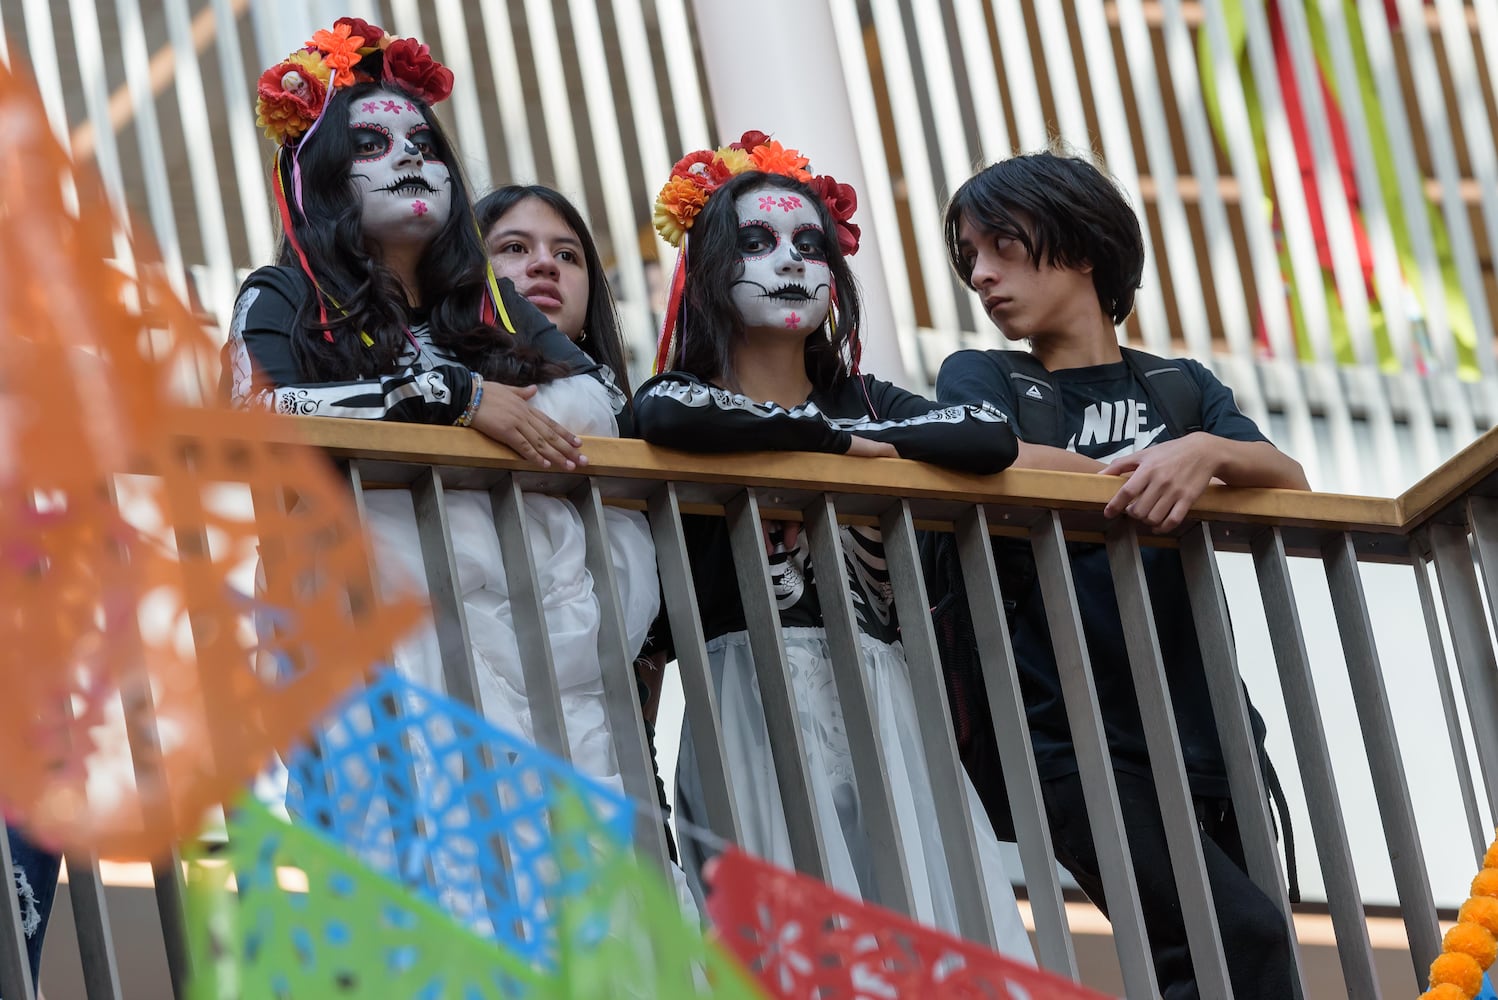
(1172, 391)
(1037, 399)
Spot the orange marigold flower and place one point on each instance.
(1485, 883)
(1472, 939)
(1481, 910)
(1445, 991)
(1461, 971)
(1490, 859)
(773, 158)
(340, 50)
(678, 204)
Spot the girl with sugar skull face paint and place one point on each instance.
(383, 307)
(761, 343)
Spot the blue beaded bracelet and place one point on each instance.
(473, 401)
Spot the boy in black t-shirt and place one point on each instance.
(1056, 254)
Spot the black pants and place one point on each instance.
(1255, 936)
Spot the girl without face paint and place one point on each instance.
(763, 356)
(381, 308)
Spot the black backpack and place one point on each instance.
(1037, 419)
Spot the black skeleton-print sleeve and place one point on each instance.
(677, 410)
(261, 369)
(968, 437)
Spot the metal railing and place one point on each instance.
(1447, 525)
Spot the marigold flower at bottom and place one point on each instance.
(1459, 970)
(1446, 991)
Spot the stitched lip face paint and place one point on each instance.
(405, 189)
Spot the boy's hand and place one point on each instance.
(1164, 481)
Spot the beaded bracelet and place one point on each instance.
(473, 401)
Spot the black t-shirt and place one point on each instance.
(1107, 415)
(678, 410)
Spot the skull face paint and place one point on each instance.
(785, 283)
(406, 191)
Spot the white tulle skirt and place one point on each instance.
(834, 793)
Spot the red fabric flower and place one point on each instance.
(410, 63)
(702, 165)
(358, 26)
(848, 235)
(842, 201)
(749, 140)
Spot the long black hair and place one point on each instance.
(1065, 212)
(604, 343)
(709, 325)
(361, 295)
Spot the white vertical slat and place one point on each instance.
(1433, 112)
(556, 104)
(1295, 217)
(1061, 71)
(452, 29)
(514, 121)
(280, 26)
(1019, 75)
(1401, 150)
(244, 146)
(202, 169)
(1346, 266)
(137, 61)
(954, 157)
(1456, 39)
(1487, 26)
(648, 125)
(1387, 272)
(878, 198)
(1430, 97)
(681, 74)
(1185, 279)
(922, 198)
(618, 200)
(1118, 153)
(1274, 307)
(89, 58)
(983, 82)
(1232, 305)
(405, 20)
(41, 49)
(4, 43)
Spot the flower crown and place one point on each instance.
(293, 93)
(697, 175)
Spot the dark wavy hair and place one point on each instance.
(604, 342)
(1065, 212)
(709, 326)
(369, 297)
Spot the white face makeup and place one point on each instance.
(786, 284)
(406, 191)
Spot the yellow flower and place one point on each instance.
(736, 160)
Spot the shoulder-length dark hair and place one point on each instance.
(362, 295)
(604, 342)
(1064, 211)
(709, 326)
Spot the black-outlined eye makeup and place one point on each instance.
(756, 239)
(371, 140)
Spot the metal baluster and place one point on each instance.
(1006, 704)
(875, 803)
(1346, 903)
(1469, 639)
(1093, 760)
(1214, 633)
(1402, 836)
(691, 658)
(621, 700)
(101, 977)
(1177, 808)
(934, 719)
(1421, 566)
(536, 662)
(777, 694)
(15, 968)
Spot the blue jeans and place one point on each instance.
(36, 885)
